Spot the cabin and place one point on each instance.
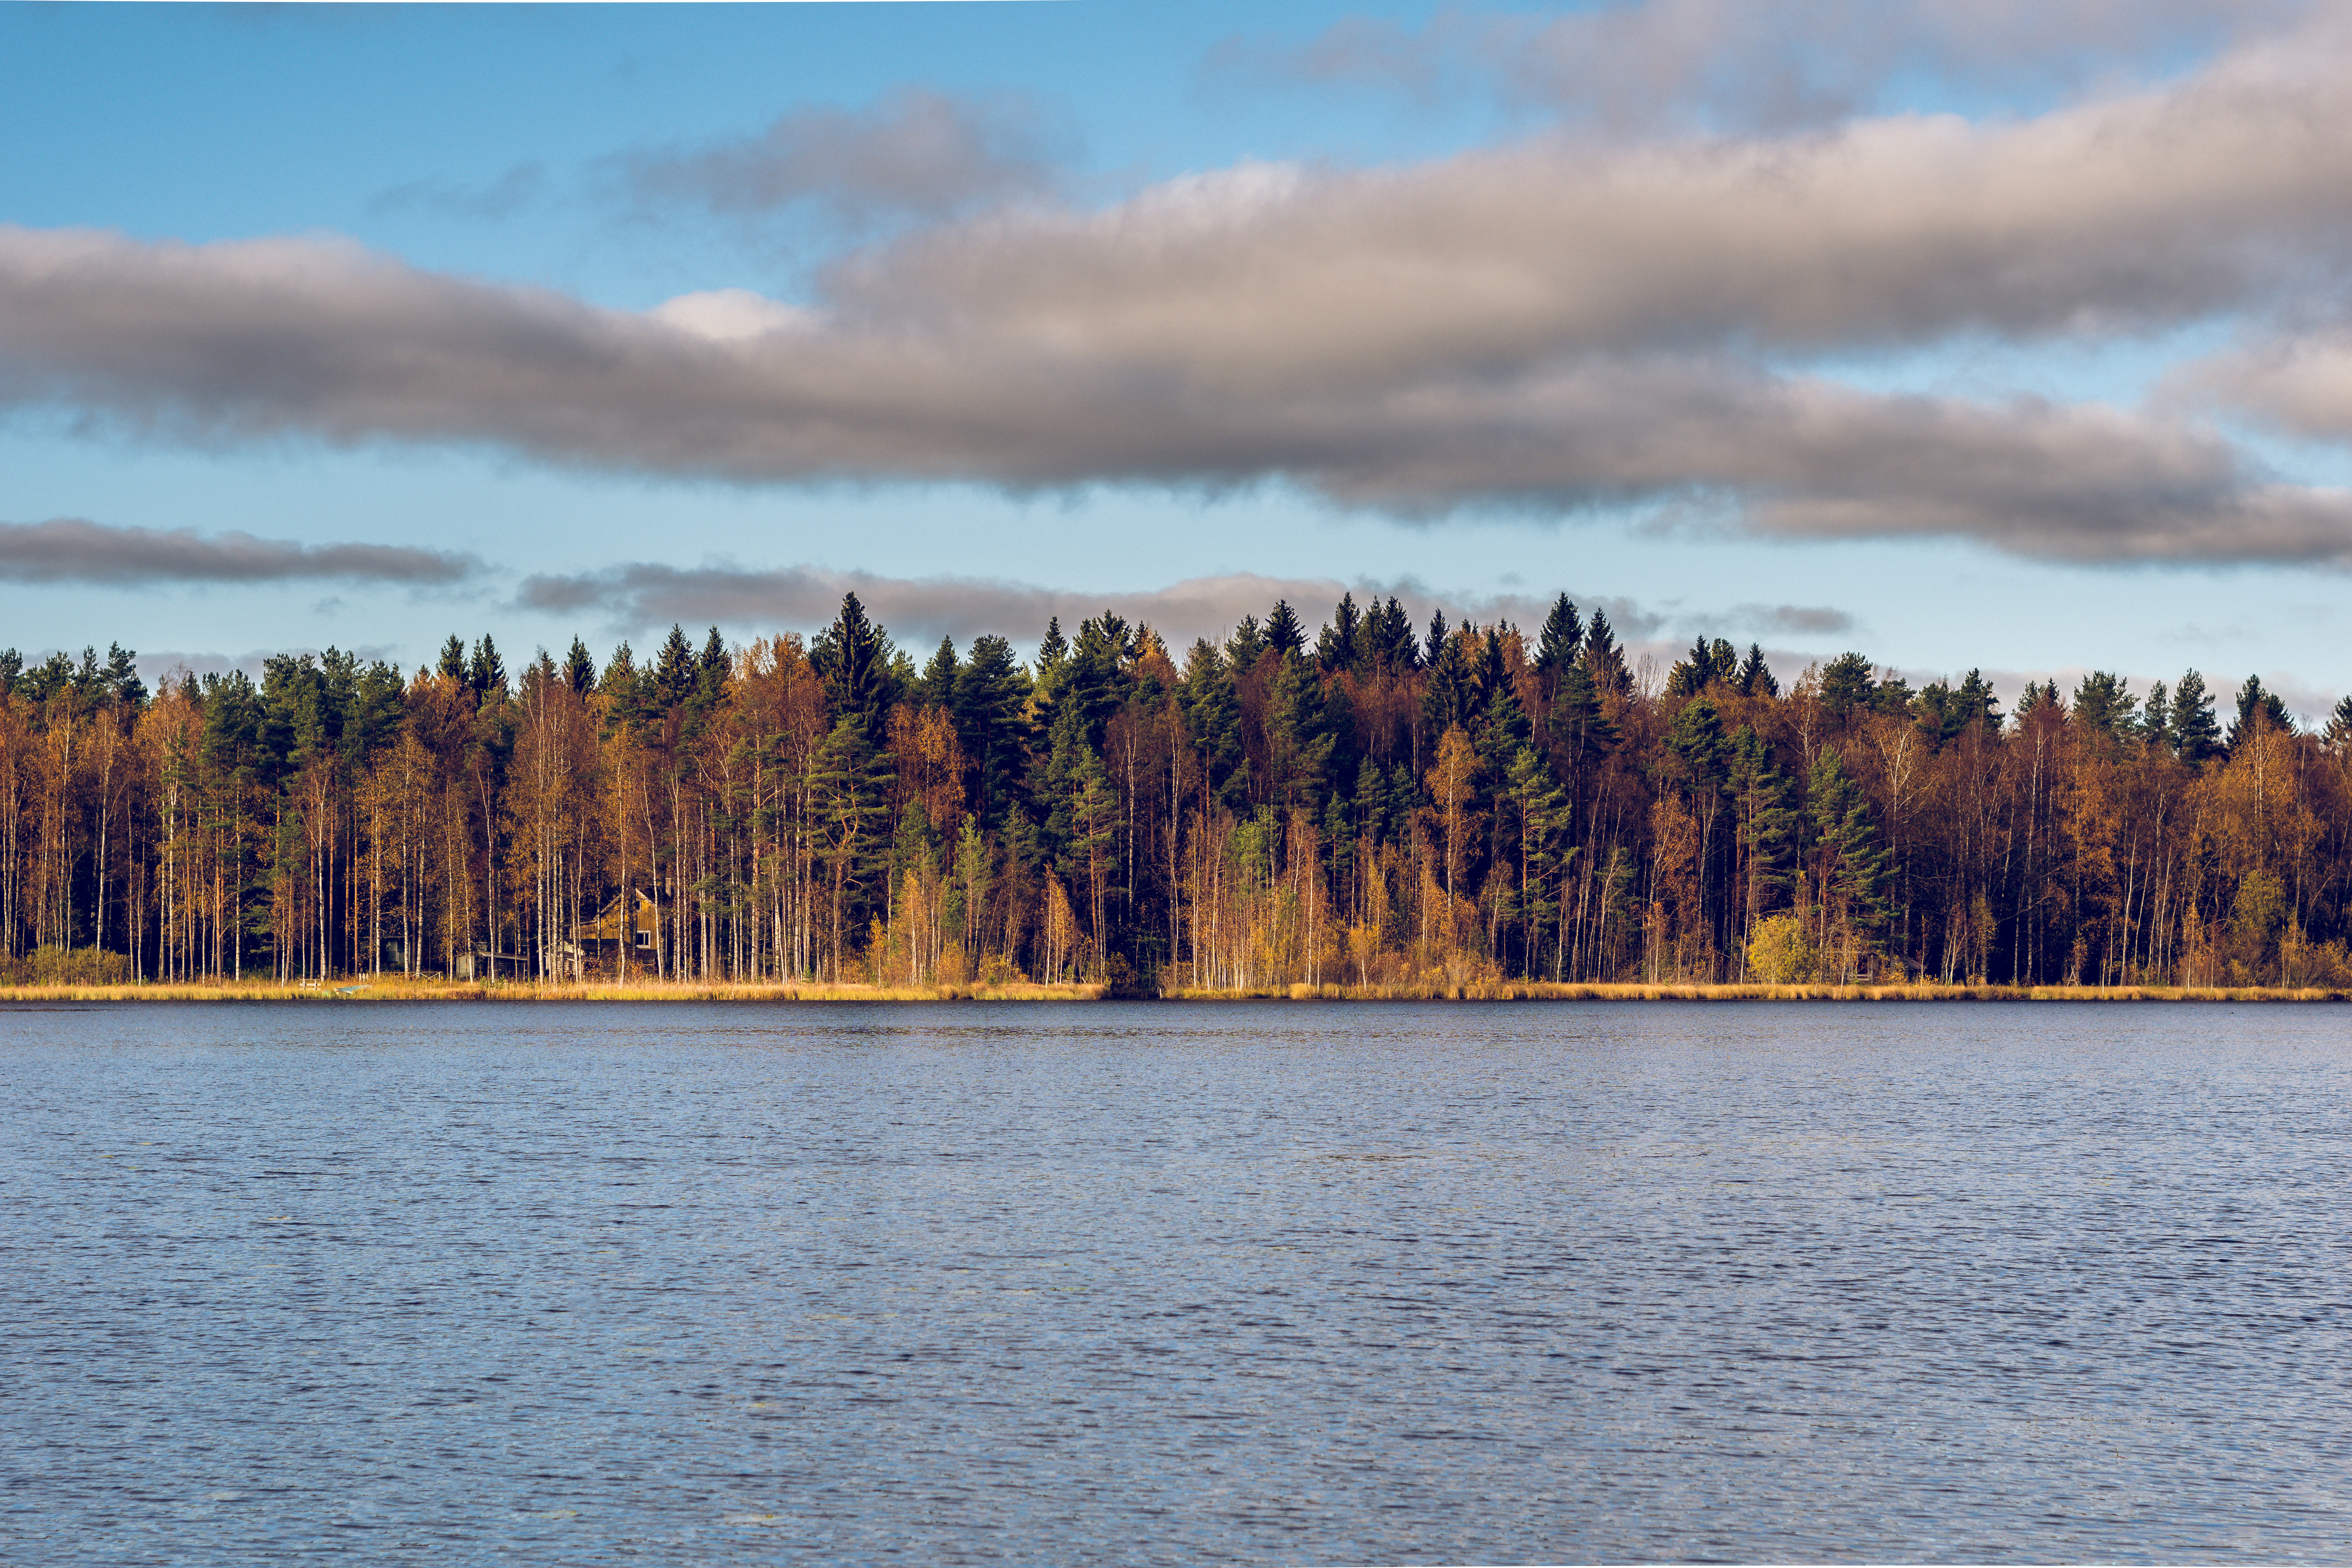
(630, 925)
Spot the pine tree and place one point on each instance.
(1846, 685)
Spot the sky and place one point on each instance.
(1995, 335)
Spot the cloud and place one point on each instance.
(636, 595)
(1735, 65)
(916, 153)
(1547, 328)
(501, 197)
(1793, 620)
(2300, 383)
(74, 549)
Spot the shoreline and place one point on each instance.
(404, 990)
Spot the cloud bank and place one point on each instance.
(75, 550)
(1548, 327)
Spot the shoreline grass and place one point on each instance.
(402, 989)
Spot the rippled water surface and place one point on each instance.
(1298, 1284)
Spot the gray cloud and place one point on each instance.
(1543, 328)
(915, 152)
(74, 549)
(1732, 65)
(501, 197)
(2300, 383)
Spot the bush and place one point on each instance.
(55, 965)
(1781, 952)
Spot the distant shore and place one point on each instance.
(402, 989)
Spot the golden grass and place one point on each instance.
(1626, 990)
(394, 988)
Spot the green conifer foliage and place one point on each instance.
(1557, 644)
(1853, 861)
(2196, 733)
(2103, 705)
(1846, 685)
(1284, 635)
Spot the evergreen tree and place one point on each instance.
(851, 779)
(580, 669)
(1387, 642)
(1283, 632)
(1767, 822)
(1755, 676)
(485, 671)
(1557, 644)
(2253, 702)
(990, 693)
(1853, 862)
(1212, 719)
(1246, 646)
(1846, 685)
(1340, 647)
(2196, 732)
(1449, 698)
(676, 672)
(1604, 659)
(453, 660)
(1298, 736)
(2103, 705)
(2156, 718)
(852, 658)
(2339, 723)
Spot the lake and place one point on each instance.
(1157, 1283)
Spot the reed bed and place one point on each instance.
(400, 989)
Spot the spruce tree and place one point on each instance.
(2196, 733)
(1755, 676)
(937, 686)
(2256, 709)
(1338, 648)
(990, 693)
(1283, 632)
(852, 657)
(1557, 644)
(1853, 862)
(580, 669)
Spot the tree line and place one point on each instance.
(1370, 804)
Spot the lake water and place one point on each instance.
(1298, 1284)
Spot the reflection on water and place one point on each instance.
(1307, 1284)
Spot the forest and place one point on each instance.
(1369, 804)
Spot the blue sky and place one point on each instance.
(1085, 303)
